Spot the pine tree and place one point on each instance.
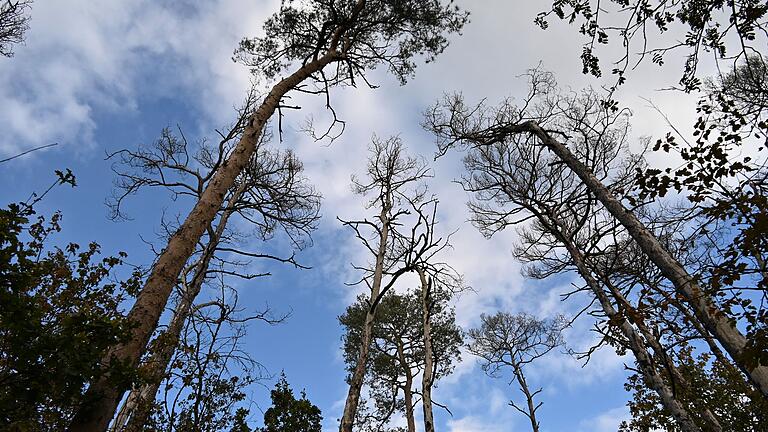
(289, 414)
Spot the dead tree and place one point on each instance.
(616, 310)
(207, 382)
(511, 341)
(354, 36)
(270, 195)
(438, 283)
(543, 120)
(396, 239)
(428, 379)
(589, 241)
(515, 179)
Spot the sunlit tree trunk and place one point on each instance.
(356, 380)
(427, 380)
(137, 407)
(103, 396)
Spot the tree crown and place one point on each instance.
(361, 34)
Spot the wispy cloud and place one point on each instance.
(82, 58)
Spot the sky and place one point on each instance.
(96, 77)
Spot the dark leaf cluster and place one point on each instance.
(61, 312)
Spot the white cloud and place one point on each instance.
(476, 424)
(83, 57)
(608, 421)
(498, 401)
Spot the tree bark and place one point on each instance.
(706, 311)
(407, 389)
(427, 380)
(102, 397)
(712, 423)
(137, 407)
(532, 407)
(356, 381)
(636, 343)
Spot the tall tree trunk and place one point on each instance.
(137, 407)
(706, 311)
(532, 407)
(636, 343)
(102, 397)
(356, 381)
(428, 379)
(407, 388)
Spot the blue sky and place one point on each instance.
(100, 76)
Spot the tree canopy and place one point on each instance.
(289, 414)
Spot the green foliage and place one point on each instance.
(208, 405)
(727, 28)
(60, 313)
(718, 386)
(729, 193)
(366, 34)
(289, 414)
(398, 344)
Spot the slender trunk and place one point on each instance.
(102, 397)
(407, 388)
(428, 379)
(532, 407)
(713, 346)
(676, 376)
(356, 381)
(138, 405)
(636, 343)
(715, 320)
(408, 395)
